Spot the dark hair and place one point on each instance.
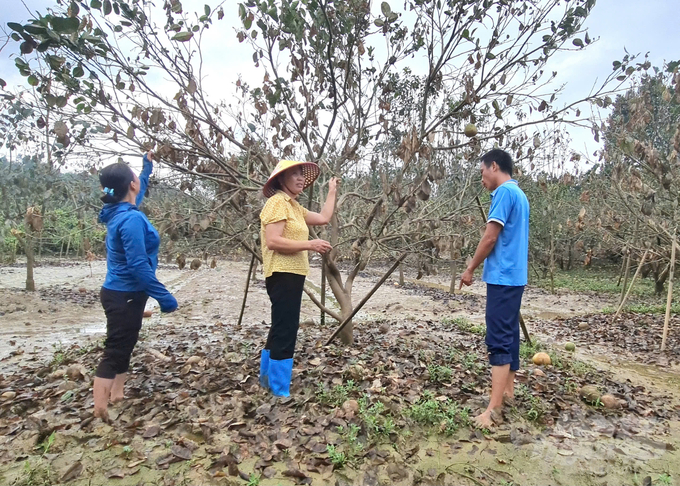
(502, 159)
(115, 180)
(276, 182)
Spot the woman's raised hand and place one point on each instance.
(333, 183)
(320, 246)
(150, 155)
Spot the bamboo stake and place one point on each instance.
(452, 288)
(669, 299)
(626, 274)
(632, 282)
(627, 259)
(368, 296)
(623, 269)
(522, 324)
(245, 293)
(307, 291)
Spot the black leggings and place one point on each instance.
(124, 313)
(285, 293)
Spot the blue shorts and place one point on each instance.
(502, 324)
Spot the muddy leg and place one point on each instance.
(117, 390)
(509, 392)
(102, 391)
(499, 383)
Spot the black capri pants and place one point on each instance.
(124, 313)
(285, 293)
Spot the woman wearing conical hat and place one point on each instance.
(285, 240)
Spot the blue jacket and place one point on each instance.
(132, 248)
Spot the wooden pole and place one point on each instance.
(628, 257)
(323, 291)
(669, 299)
(365, 299)
(452, 288)
(626, 275)
(401, 275)
(552, 256)
(623, 269)
(522, 324)
(632, 282)
(245, 293)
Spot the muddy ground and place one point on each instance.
(392, 409)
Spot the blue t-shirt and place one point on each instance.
(507, 264)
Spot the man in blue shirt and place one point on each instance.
(504, 249)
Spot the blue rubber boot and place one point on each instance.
(280, 374)
(264, 368)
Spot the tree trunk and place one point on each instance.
(570, 256)
(660, 280)
(347, 334)
(30, 259)
(401, 274)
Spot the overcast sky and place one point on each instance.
(640, 27)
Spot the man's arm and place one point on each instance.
(484, 248)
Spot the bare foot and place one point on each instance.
(116, 399)
(488, 419)
(508, 400)
(103, 414)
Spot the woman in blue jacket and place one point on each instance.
(131, 260)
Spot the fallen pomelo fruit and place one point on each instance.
(589, 393)
(610, 402)
(541, 359)
(570, 347)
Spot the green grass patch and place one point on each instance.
(534, 408)
(376, 420)
(664, 479)
(36, 475)
(337, 395)
(527, 350)
(448, 415)
(580, 368)
(350, 448)
(464, 325)
(602, 280)
(645, 308)
(473, 363)
(439, 374)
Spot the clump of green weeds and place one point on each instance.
(535, 408)
(446, 414)
(36, 475)
(472, 363)
(377, 423)
(464, 325)
(439, 374)
(527, 350)
(351, 447)
(337, 395)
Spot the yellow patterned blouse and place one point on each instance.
(281, 207)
